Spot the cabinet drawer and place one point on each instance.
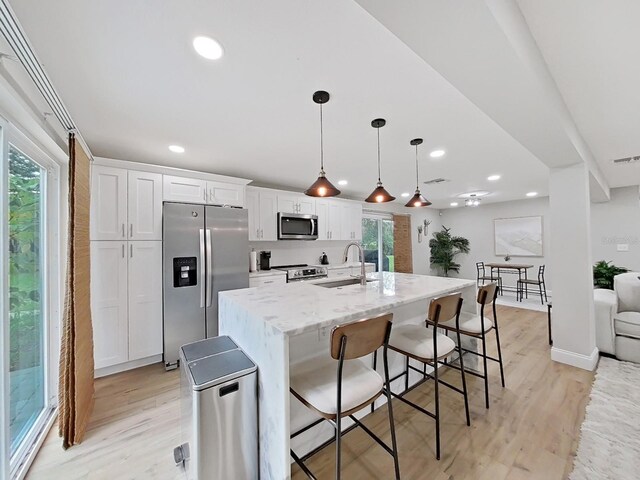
(269, 280)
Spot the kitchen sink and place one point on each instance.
(342, 283)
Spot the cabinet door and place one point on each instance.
(220, 193)
(108, 203)
(356, 221)
(144, 205)
(253, 210)
(268, 216)
(182, 189)
(335, 228)
(287, 203)
(306, 205)
(109, 303)
(346, 230)
(339, 272)
(145, 299)
(268, 280)
(322, 210)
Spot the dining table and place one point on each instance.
(520, 269)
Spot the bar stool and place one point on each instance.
(542, 287)
(477, 327)
(481, 275)
(341, 385)
(428, 346)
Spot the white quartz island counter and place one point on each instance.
(275, 325)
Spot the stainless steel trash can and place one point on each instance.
(219, 411)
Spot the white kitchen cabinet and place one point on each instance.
(262, 205)
(109, 302)
(351, 221)
(144, 299)
(144, 205)
(329, 219)
(220, 193)
(340, 272)
(262, 281)
(108, 203)
(183, 189)
(292, 203)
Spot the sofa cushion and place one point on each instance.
(628, 324)
(627, 287)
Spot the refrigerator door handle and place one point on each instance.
(209, 269)
(202, 269)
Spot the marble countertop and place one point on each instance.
(266, 273)
(303, 307)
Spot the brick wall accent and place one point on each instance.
(403, 257)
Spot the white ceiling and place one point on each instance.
(593, 51)
(133, 84)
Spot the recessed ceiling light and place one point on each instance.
(176, 148)
(454, 204)
(437, 153)
(208, 48)
(493, 178)
(532, 194)
(342, 183)
(405, 195)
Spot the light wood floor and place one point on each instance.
(530, 432)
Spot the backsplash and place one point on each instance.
(289, 252)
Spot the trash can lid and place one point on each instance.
(205, 348)
(216, 369)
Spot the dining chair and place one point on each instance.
(542, 287)
(481, 275)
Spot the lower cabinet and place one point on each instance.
(277, 279)
(126, 301)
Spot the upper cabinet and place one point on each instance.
(108, 203)
(182, 189)
(144, 205)
(295, 203)
(262, 205)
(125, 204)
(227, 194)
(329, 219)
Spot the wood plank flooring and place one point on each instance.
(530, 432)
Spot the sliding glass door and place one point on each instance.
(30, 301)
(26, 295)
(377, 239)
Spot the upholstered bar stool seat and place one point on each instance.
(417, 341)
(469, 324)
(314, 383)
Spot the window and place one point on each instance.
(30, 310)
(377, 239)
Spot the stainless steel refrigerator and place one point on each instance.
(205, 251)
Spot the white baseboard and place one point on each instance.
(586, 362)
(123, 367)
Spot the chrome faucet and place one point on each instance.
(363, 272)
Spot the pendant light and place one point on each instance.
(379, 195)
(417, 200)
(321, 187)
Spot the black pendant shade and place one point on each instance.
(379, 195)
(321, 187)
(418, 200)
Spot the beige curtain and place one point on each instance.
(403, 257)
(76, 393)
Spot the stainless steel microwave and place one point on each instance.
(297, 226)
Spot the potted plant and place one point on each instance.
(603, 273)
(444, 248)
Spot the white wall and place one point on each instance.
(614, 223)
(476, 224)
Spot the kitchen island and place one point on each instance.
(281, 325)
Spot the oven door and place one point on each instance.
(295, 226)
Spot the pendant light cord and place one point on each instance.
(417, 176)
(378, 129)
(321, 142)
